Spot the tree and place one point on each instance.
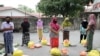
(64, 7)
(25, 8)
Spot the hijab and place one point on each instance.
(92, 19)
(54, 24)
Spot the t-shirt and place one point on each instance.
(25, 26)
(6, 25)
(40, 24)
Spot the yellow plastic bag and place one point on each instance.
(84, 42)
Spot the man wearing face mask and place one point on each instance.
(66, 26)
(7, 27)
(25, 25)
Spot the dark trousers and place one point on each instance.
(8, 41)
(90, 40)
(65, 35)
(82, 36)
(25, 38)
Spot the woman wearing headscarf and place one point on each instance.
(54, 33)
(83, 27)
(90, 31)
(66, 26)
(40, 29)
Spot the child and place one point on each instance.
(83, 27)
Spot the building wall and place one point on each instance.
(12, 12)
(96, 1)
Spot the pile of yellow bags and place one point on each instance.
(31, 44)
(18, 53)
(44, 41)
(94, 53)
(55, 52)
(84, 42)
(66, 43)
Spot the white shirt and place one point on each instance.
(6, 25)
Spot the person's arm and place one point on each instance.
(88, 27)
(70, 24)
(53, 30)
(6, 29)
(62, 25)
(21, 27)
(28, 25)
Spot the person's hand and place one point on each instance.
(10, 27)
(57, 32)
(62, 29)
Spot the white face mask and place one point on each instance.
(84, 20)
(39, 20)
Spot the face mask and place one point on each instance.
(55, 21)
(8, 22)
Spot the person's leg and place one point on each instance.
(40, 34)
(10, 42)
(5, 44)
(81, 37)
(27, 38)
(65, 35)
(23, 37)
(89, 41)
(85, 36)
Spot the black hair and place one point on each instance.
(8, 17)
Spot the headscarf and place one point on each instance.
(66, 22)
(39, 23)
(92, 20)
(54, 24)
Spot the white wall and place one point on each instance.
(12, 12)
(96, 1)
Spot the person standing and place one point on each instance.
(25, 25)
(40, 29)
(54, 33)
(90, 31)
(65, 27)
(7, 27)
(83, 27)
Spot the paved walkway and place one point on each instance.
(44, 50)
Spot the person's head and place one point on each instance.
(66, 19)
(84, 20)
(39, 20)
(54, 20)
(8, 19)
(92, 17)
(25, 20)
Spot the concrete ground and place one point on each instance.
(44, 50)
